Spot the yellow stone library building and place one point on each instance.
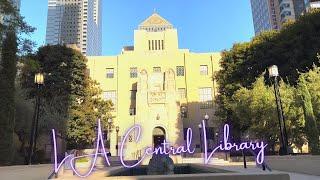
(158, 86)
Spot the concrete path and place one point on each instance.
(33, 172)
(253, 169)
(41, 172)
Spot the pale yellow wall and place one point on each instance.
(142, 58)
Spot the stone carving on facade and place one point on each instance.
(170, 82)
(155, 97)
(155, 20)
(143, 81)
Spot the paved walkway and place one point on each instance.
(41, 172)
(253, 169)
(33, 172)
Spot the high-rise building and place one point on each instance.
(286, 11)
(290, 9)
(76, 22)
(312, 4)
(265, 15)
(271, 14)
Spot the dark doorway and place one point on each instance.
(157, 140)
(159, 136)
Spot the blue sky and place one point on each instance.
(203, 25)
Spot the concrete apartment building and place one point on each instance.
(76, 22)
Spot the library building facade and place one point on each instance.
(159, 87)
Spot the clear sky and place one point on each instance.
(203, 25)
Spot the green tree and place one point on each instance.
(65, 81)
(293, 48)
(12, 26)
(256, 110)
(7, 100)
(69, 97)
(293, 115)
(84, 115)
(309, 87)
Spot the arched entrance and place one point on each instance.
(159, 135)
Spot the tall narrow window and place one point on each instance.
(162, 44)
(156, 44)
(133, 72)
(205, 98)
(182, 93)
(152, 44)
(203, 70)
(180, 70)
(149, 45)
(159, 45)
(133, 95)
(110, 73)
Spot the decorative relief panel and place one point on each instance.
(158, 97)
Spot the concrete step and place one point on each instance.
(201, 160)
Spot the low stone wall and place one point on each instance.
(240, 159)
(306, 164)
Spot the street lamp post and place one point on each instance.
(200, 127)
(274, 74)
(109, 130)
(39, 81)
(244, 154)
(117, 130)
(206, 118)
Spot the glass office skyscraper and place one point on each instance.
(76, 22)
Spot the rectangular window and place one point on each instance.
(159, 45)
(110, 73)
(182, 93)
(149, 45)
(162, 43)
(156, 44)
(132, 111)
(203, 70)
(180, 70)
(156, 69)
(133, 72)
(112, 96)
(205, 98)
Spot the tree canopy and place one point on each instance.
(71, 101)
(12, 26)
(244, 94)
